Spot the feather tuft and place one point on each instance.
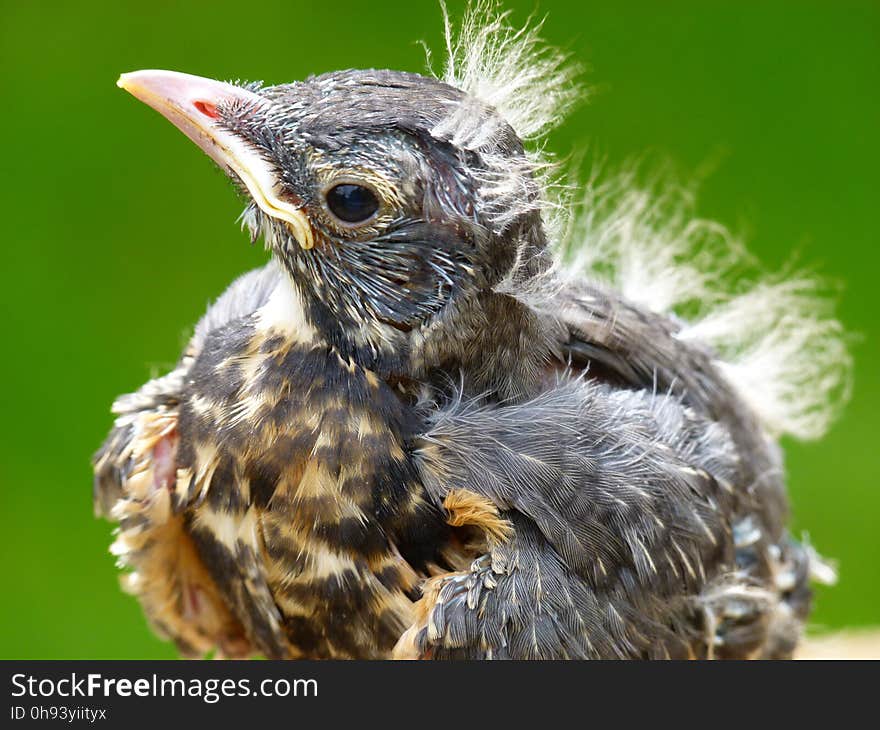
(510, 79)
(776, 339)
(531, 85)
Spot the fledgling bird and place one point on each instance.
(424, 431)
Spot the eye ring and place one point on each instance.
(351, 203)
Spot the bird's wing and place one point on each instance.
(634, 348)
(144, 418)
(135, 476)
(637, 348)
(619, 505)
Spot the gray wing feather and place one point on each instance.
(621, 501)
(642, 350)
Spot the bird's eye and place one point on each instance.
(352, 203)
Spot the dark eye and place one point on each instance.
(352, 203)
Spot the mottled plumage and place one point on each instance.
(419, 433)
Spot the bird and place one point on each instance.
(431, 426)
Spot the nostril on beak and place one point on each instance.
(206, 108)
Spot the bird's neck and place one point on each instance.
(294, 312)
(489, 342)
(492, 344)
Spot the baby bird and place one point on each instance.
(423, 431)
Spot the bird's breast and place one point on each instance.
(297, 459)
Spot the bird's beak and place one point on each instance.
(190, 103)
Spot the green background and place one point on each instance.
(117, 231)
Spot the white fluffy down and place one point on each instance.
(775, 337)
(530, 84)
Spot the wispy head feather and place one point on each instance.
(530, 84)
(511, 78)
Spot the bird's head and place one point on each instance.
(386, 196)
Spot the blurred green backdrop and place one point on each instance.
(117, 231)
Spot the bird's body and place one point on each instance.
(413, 438)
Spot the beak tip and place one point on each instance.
(128, 81)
